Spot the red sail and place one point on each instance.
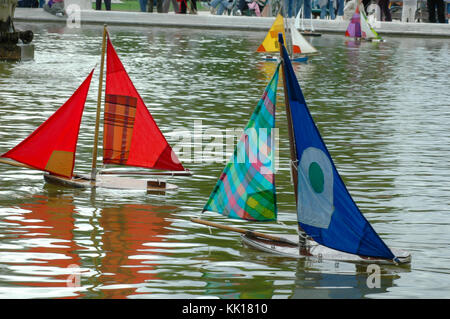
(131, 136)
(51, 147)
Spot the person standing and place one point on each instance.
(166, 6)
(184, 6)
(433, 6)
(448, 11)
(385, 12)
(98, 4)
(159, 6)
(324, 5)
(340, 9)
(219, 6)
(306, 4)
(143, 5)
(288, 8)
(193, 7)
(296, 5)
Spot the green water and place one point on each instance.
(383, 110)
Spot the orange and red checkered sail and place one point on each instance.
(52, 146)
(131, 136)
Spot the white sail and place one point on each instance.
(367, 30)
(297, 20)
(299, 43)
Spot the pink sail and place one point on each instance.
(354, 27)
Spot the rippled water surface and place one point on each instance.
(383, 110)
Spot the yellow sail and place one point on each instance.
(270, 43)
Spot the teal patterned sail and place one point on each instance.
(246, 188)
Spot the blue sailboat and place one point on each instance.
(331, 226)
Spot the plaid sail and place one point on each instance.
(246, 187)
(131, 135)
(118, 128)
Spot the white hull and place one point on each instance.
(317, 251)
(111, 182)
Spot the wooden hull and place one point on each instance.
(111, 182)
(317, 251)
(68, 182)
(311, 34)
(368, 40)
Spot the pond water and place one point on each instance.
(383, 110)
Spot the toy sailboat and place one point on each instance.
(330, 224)
(130, 137)
(359, 27)
(300, 48)
(301, 25)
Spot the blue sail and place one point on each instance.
(325, 209)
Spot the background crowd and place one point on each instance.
(429, 10)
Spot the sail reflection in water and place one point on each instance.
(127, 232)
(43, 248)
(314, 283)
(57, 252)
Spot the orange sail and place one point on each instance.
(51, 147)
(131, 136)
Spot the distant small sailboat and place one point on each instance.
(301, 25)
(300, 48)
(130, 137)
(330, 224)
(299, 44)
(360, 28)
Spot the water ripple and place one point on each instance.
(383, 110)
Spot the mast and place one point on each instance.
(310, 17)
(293, 152)
(99, 105)
(294, 163)
(297, 20)
(287, 32)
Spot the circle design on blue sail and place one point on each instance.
(315, 188)
(316, 177)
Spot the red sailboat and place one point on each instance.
(131, 137)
